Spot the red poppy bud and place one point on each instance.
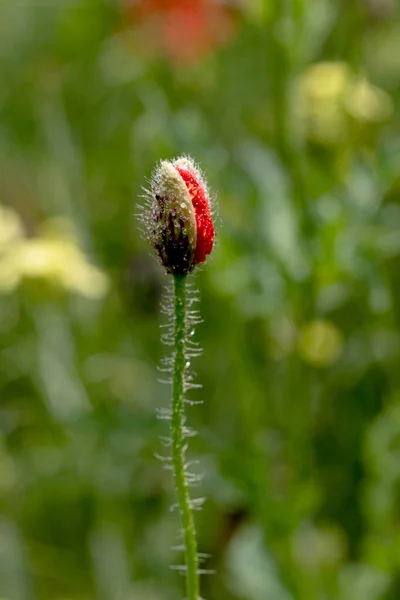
(179, 223)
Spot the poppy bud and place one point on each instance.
(179, 222)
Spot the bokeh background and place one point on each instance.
(292, 109)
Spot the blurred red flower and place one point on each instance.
(183, 29)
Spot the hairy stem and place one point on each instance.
(178, 444)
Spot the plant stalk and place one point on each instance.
(178, 443)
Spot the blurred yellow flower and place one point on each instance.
(328, 93)
(11, 233)
(53, 256)
(58, 260)
(320, 343)
(366, 102)
(11, 228)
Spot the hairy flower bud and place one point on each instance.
(178, 220)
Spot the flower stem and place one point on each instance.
(178, 444)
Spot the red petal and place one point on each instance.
(204, 224)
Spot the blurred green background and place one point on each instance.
(292, 109)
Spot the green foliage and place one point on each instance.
(292, 109)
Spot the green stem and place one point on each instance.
(178, 444)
